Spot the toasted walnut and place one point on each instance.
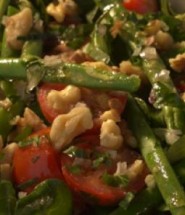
(110, 135)
(131, 172)
(135, 169)
(65, 99)
(128, 68)
(63, 8)
(6, 103)
(163, 40)
(116, 28)
(178, 63)
(5, 171)
(121, 169)
(22, 194)
(110, 114)
(153, 27)
(8, 153)
(18, 25)
(150, 181)
(66, 127)
(31, 119)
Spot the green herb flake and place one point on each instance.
(126, 201)
(102, 159)
(29, 141)
(76, 152)
(115, 181)
(76, 169)
(27, 184)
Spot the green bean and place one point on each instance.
(7, 198)
(68, 73)
(50, 197)
(176, 152)
(155, 158)
(3, 7)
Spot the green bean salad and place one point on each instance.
(92, 107)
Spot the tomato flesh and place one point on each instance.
(49, 113)
(141, 6)
(35, 162)
(88, 96)
(88, 181)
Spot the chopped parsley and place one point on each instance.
(115, 181)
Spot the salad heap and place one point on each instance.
(92, 112)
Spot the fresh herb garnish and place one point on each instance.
(29, 141)
(102, 158)
(115, 181)
(127, 199)
(27, 184)
(75, 169)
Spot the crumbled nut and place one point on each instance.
(15, 120)
(115, 30)
(63, 8)
(183, 96)
(66, 127)
(6, 103)
(65, 99)
(110, 135)
(178, 63)
(135, 169)
(18, 25)
(153, 27)
(5, 171)
(128, 68)
(31, 119)
(163, 40)
(110, 114)
(22, 194)
(121, 169)
(150, 181)
(8, 153)
(132, 172)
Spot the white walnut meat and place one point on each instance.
(63, 8)
(30, 119)
(132, 171)
(110, 135)
(18, 25)
(65, 99)
(66, 127)
(178, 63)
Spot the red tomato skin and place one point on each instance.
(35, 162)
(141, 6)
(49, 113)
(91, 188)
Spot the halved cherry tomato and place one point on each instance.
(141, 6)
(87, 180)
(91, 97)
(36, 161)
(43, 90)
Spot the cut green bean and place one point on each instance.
(79, 75)
(156, 160)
